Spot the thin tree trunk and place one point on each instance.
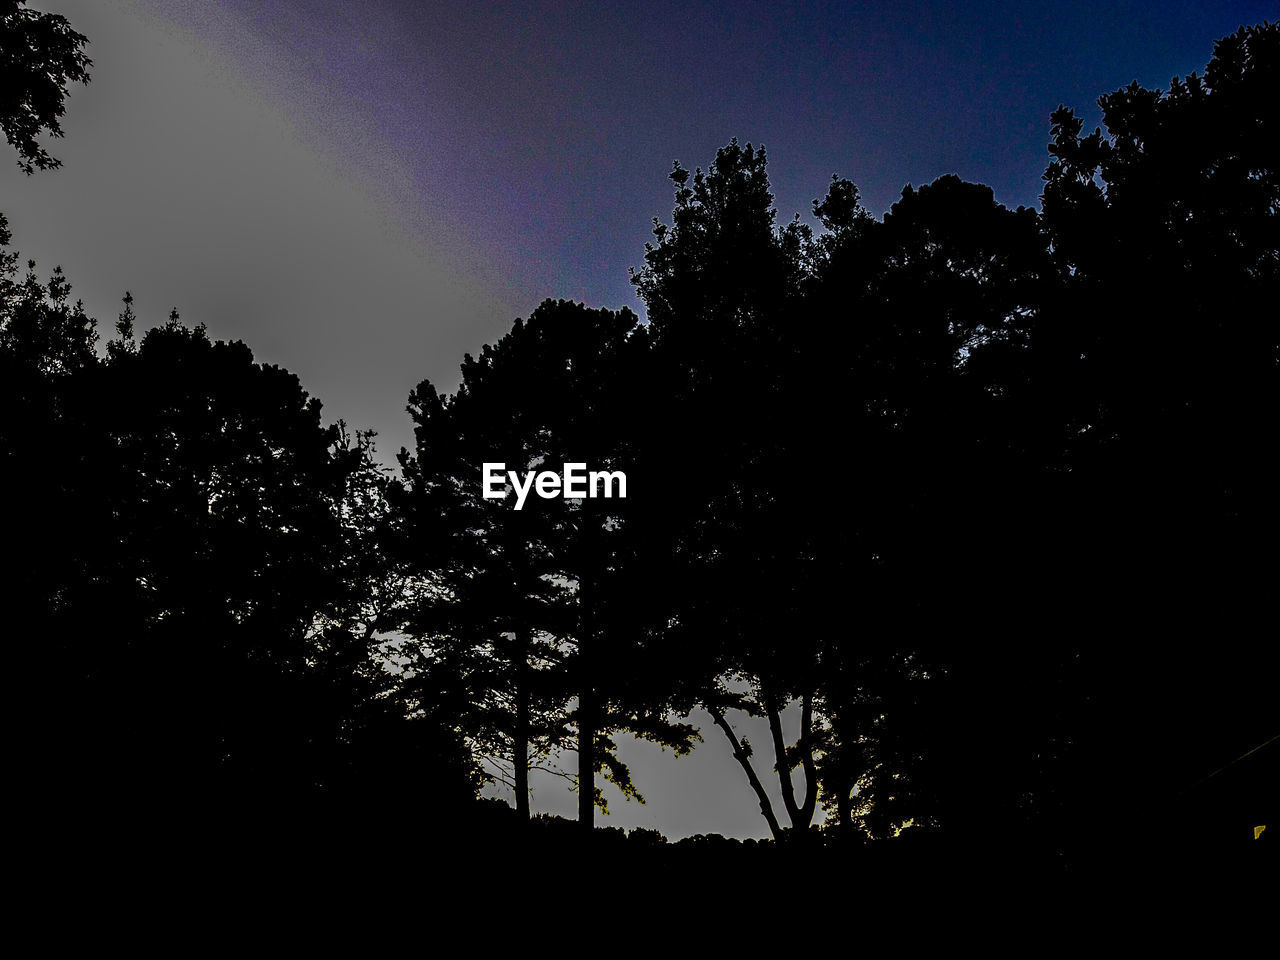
(844, 768)
(739, 754)
(780, 765)
(521, 739)
(805, 746)
(801, 815)
(588, 707)
(844, 807)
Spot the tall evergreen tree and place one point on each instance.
(560, 388)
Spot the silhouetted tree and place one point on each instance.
(46, 352)
(556, 389)
(866, 355)
(985, 498)
(488, 619)
(1163, 342)
(723, 287)
(389, 745)
(198, 559)
(40, 56)
(941, 300)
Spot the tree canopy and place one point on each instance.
(978, 501)
(40, 57)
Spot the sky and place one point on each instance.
(364, 192)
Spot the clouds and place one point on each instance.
(185, 184)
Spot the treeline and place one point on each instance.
(987, 497)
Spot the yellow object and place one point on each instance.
(1257, 831)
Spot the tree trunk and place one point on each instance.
(744, 761)
(781, 767)
(801, 815)
(810, 805)
(520, 747)
(844, 810)
(843, 773)
(588, 707)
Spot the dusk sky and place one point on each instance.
(363, 192)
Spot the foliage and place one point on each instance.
(984, 497)
(40, 56)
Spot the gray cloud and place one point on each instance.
(184, 184)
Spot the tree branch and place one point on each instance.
(744, 760)
(782, 764)
(805, 746)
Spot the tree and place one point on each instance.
(559, 388)
(1165, 230)
(886, 355)
(489, 617)
(723, 288)
(209, 589)
(218, 551)
(47, 345)
(937, 307)
(380, 744)
(40, 56)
